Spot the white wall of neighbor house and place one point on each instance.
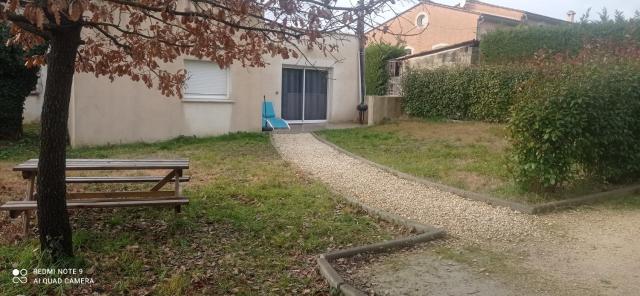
(32, 108)
(33, 102)
(124, 111)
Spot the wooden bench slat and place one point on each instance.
(32, 205)
(14, 203)
(119, 194)
(123, 179)
(110, 164)
(132, 203)
(107, 161)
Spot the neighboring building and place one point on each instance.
(438, 35)
(429, 25)
(460, 54)
(216, 101)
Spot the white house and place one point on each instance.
(311, 89)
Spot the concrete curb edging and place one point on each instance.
(424, 233)
(587, 199)
(523, 208)
(338, 283)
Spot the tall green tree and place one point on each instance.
(16, 82)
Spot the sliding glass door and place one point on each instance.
(304, 95)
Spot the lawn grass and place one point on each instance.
(27, 146)
(253, 226)
(467, 155)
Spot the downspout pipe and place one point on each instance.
(362, 106)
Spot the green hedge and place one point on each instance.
(578, 122)
(475, 93)
(16, 82)
(521, 44)
(376, 74)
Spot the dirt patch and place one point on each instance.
(599, 246)
(442, 268)
(588, 251)
(413, 275)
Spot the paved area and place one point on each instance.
(414, 274)
(471, 220)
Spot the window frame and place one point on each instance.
(410, 49)
(424, 16)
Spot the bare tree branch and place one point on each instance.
(27, 26)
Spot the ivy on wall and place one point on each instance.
(376, 74)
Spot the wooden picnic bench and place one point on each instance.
(152, 197)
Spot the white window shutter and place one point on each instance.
(205, 80)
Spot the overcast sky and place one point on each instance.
(559, 8)
(552, 8)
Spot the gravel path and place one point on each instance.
(462, 218)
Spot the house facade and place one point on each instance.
(314, 88)
(429, 25)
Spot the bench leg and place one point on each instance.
(25, 218)
(28, 196)
(176, 188)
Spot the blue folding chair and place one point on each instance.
(269, 119)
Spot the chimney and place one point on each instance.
(571, 15)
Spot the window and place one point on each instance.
(422, 20)
(395, 68)
(205, 81)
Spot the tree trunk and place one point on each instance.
(53, 219)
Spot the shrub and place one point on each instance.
(16, 82)
(475, 93)
(376, 74)
(578, 122)
(522, 44)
